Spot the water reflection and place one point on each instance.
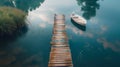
(18, 56)
(79, 32)
(24, 5)
(87, 47)
(6, 3)
(6, 39)
(88, 7)
(83, 28)
(115, 46)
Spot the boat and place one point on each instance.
(78, 19)
(81, 27)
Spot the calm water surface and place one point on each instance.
(97, 45)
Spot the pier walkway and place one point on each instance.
(60, 55)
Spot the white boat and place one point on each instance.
(78, 19)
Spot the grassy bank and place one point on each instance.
(11, 20)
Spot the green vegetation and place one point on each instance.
(89, 8)
(24, 5)
(11, 19)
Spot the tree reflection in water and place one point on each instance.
(28, 4)
(88, 7)
(24, 5)
(10, 38)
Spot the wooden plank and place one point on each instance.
(69, 62)
(60, 61)
(58, 46)
(60, 64)
(56, 32)
(53, 43)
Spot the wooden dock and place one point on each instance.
(60, 55)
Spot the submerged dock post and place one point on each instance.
(60, 55)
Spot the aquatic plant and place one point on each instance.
(11, 20)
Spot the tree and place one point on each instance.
(24, 5)
(88, 7)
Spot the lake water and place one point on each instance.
(97, 45)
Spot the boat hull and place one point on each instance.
(79, 26)
(78, 19)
